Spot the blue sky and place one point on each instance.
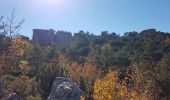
(90, 15)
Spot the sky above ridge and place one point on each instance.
(89, 15)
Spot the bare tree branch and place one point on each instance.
(10, 27)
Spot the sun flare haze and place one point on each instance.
(52, 1)
(48, 4)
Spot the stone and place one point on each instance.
(46, 37)
(65, 89)
(13, 96)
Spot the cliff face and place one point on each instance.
(45, 37)
(62, 37)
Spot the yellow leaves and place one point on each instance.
(106, 88)
(82, 98)
(24, 62)
(24, 67)
(167, 40)
(111, 87)
(18, 46)
(106, 47)
(133, 95)
(87, 71)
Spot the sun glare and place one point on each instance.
(42, 5)
(51, 5)
(52, 2)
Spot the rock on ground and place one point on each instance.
(65, 89)
(12, 96)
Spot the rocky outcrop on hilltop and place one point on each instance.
(45, 37)
(65, 89)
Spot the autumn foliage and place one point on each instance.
(140, 83)
(134, 66)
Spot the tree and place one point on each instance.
(162, 74)
(8, 30)
(138, 83)
(16, 52)
(107, 88)
(23, 86)
(18, 46)
(24, 67)
(142, 81)
(9, 27)
(47, 72)
(82, 84)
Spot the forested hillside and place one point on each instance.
(108, 66)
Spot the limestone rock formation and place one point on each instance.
(46, 37)
(42, 36)
(65, 89)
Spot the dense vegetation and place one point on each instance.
(107, 67)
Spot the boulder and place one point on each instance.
(65, 89)
(13, 96)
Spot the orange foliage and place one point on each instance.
(167, 40)
(105, 89)
(136, 86)
(23, 85)
(18, 46)
(24, 67)
(75, 70)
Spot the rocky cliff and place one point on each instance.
(45, 37)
